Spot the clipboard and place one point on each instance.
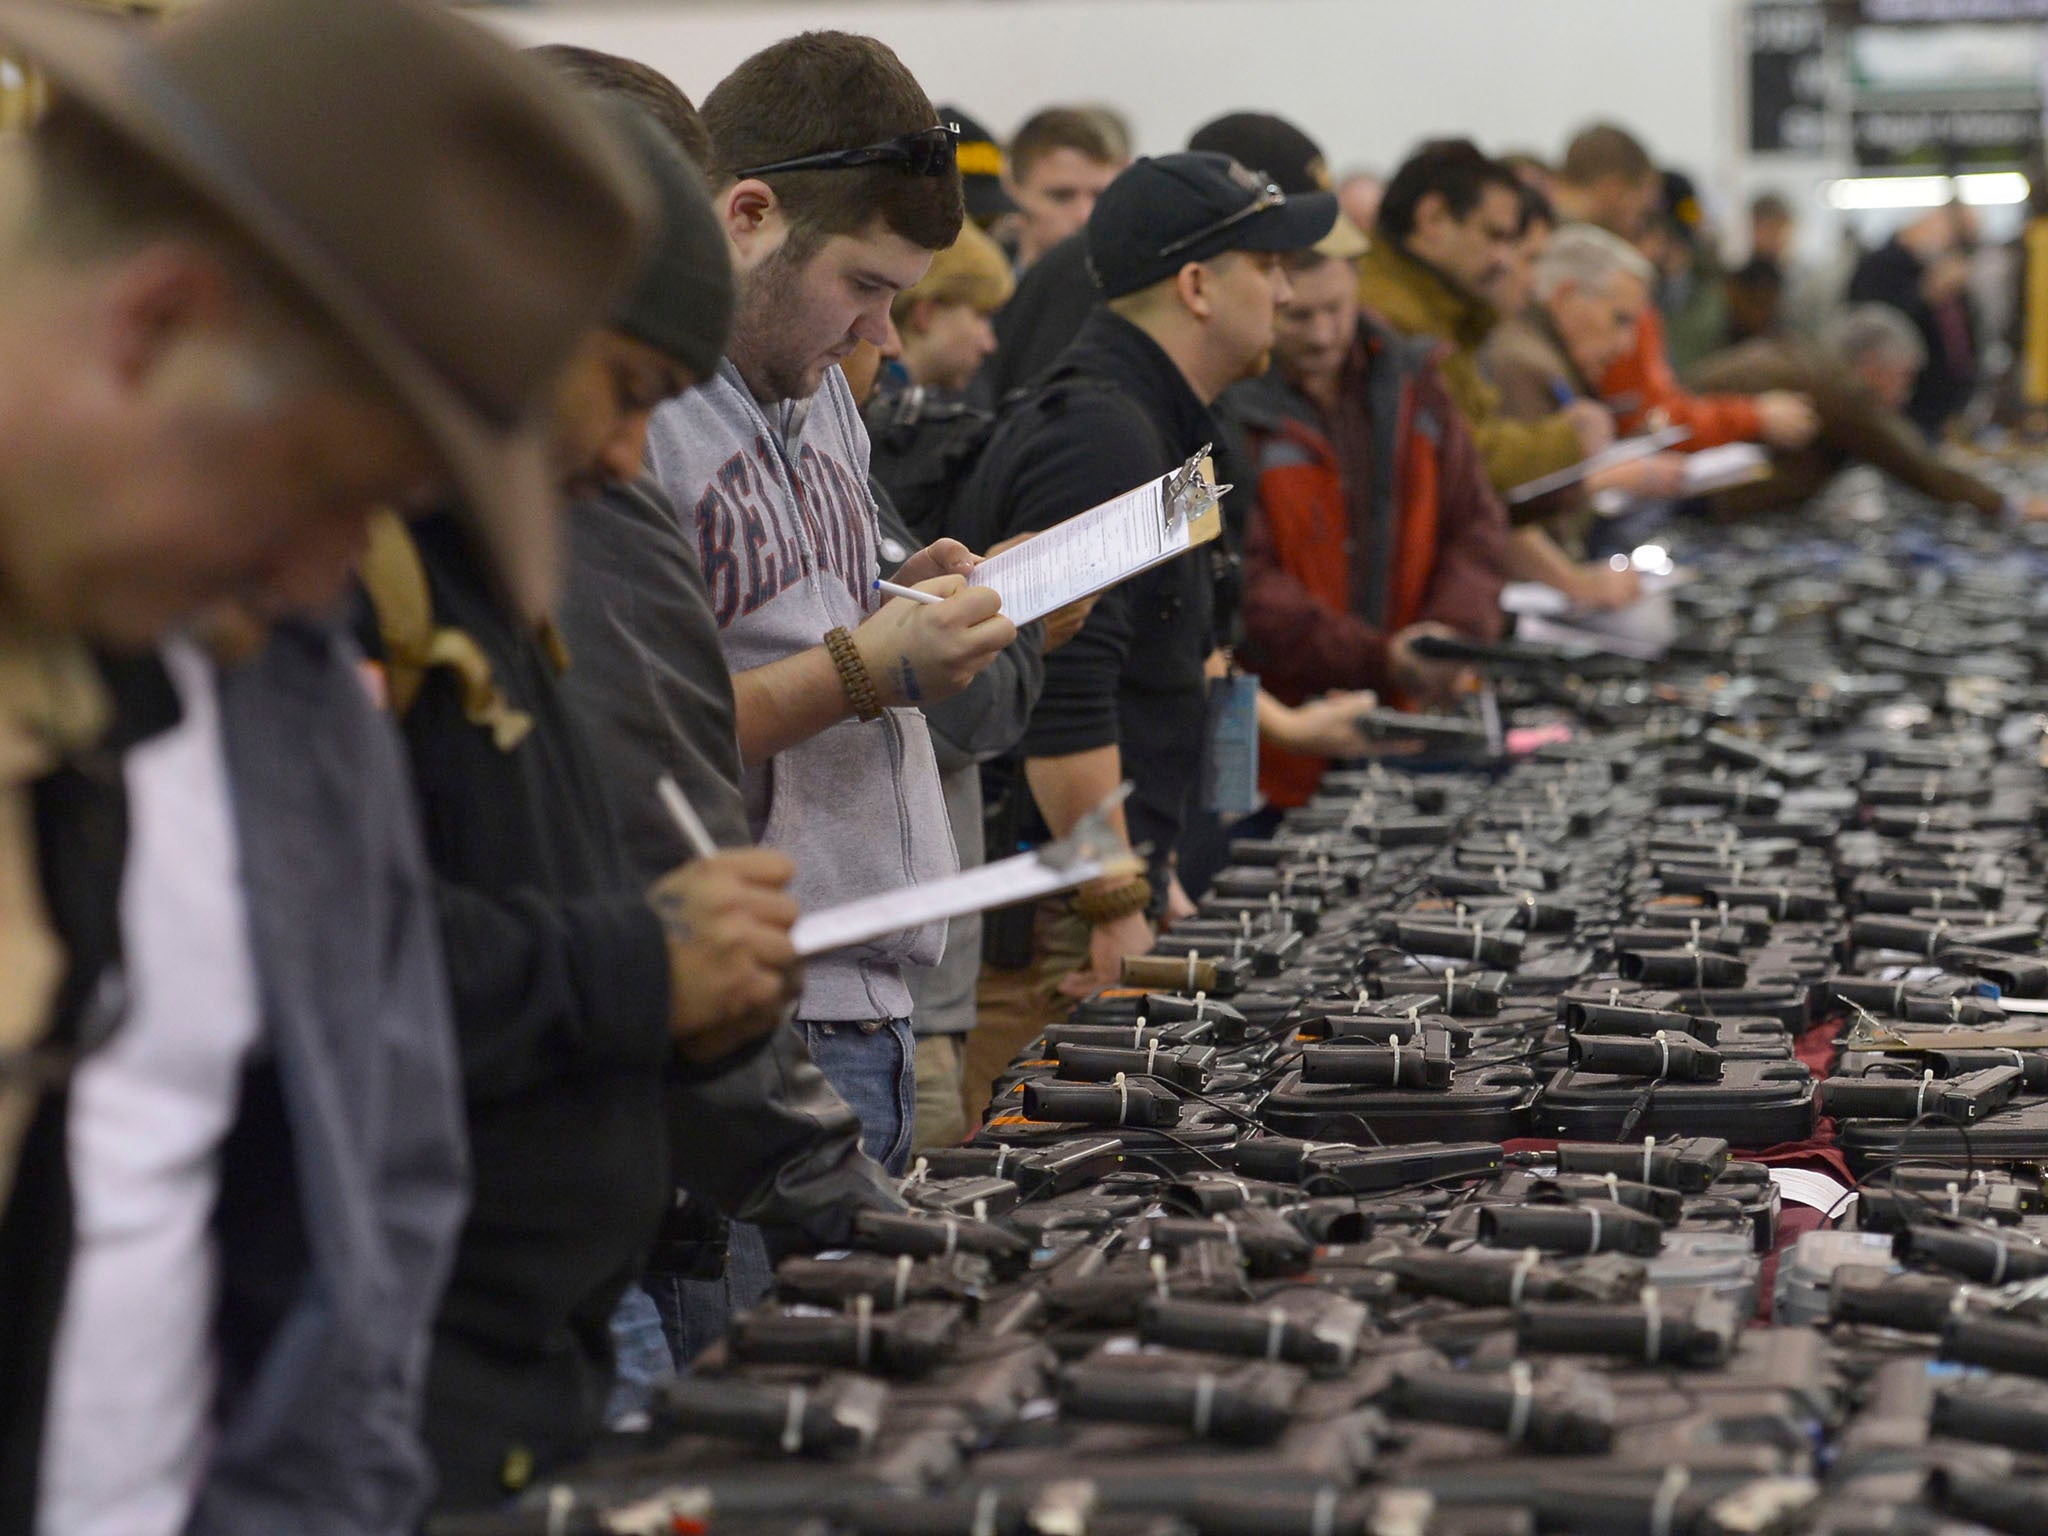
(1621, 453)
(1123, 537)
(1093, 849)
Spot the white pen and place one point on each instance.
(890, 589)
(685, 816)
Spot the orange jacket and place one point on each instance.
(1643, 382)
(1320, 604)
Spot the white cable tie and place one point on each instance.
(1955, 1199)
(1519, 1280)
(1478, 942)
(1920, 1098)
(1276, 1331)
(1205, 1403)
(1395, 1041)
(1002, 1157)
(1649, 1151)
(1194, 959)
(561, 1505)
(1653, 1326)
(1663, 1055)
(1123, 1100)
(1934, 937)
(1998, 1269)
(1201, 1006)
(987, 1504)
(952, 1235)
(1524, 1399)
(904, 1265)
(1159, 1277)
(1137, 1034)
(918, 1172)
(1152, 1060)
(1614, 997)
(863, 1331)
(1323, 1522)
(1669, 1492)
(1593, 1241)
(1613, 1182)
(793, 1422)
(980, 1211)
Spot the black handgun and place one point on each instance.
(1662, 1056)
(1684, 1163)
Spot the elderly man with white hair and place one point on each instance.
(1859, 376)
(1590, 291)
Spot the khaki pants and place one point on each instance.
(941, 1118)
(1012, 1007)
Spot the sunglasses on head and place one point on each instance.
(1269, 196)
(927, 152)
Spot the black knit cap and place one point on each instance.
(683, 302)
(1159, 203)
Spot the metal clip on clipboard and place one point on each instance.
(1192, 496)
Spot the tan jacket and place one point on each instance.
(1418, 300)
(1854, 426)
(1530, 368)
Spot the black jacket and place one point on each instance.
(1891, 274)
(1133, 677)
(1054, 298)
(769, 1140)
(559, 973)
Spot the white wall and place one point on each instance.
(1366, 78)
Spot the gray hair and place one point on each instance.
(1588, 258)
(1870, 332)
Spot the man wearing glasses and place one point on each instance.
(835, 183)
(1187, 251)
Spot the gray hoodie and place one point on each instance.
(778, 502)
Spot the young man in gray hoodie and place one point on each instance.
(835, 184)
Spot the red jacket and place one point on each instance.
(1643, 382)
(1337, 558)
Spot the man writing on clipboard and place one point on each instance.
(1187, 251)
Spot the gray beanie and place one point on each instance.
(682, 304)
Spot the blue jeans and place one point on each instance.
(874, 1067)
(644, 1359)
(696, 1313)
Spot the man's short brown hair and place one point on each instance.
(641, 84)
(1604, 150)
(1077, 128)
(821, 91)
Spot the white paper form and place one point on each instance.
(1715, 469)
(1621, 453)
(1105, 545)
(1089, 852)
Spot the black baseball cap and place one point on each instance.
(981, 161)
(1160, 214)
(1290, 157)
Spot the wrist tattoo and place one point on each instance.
(669, 912)
(906, 681)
